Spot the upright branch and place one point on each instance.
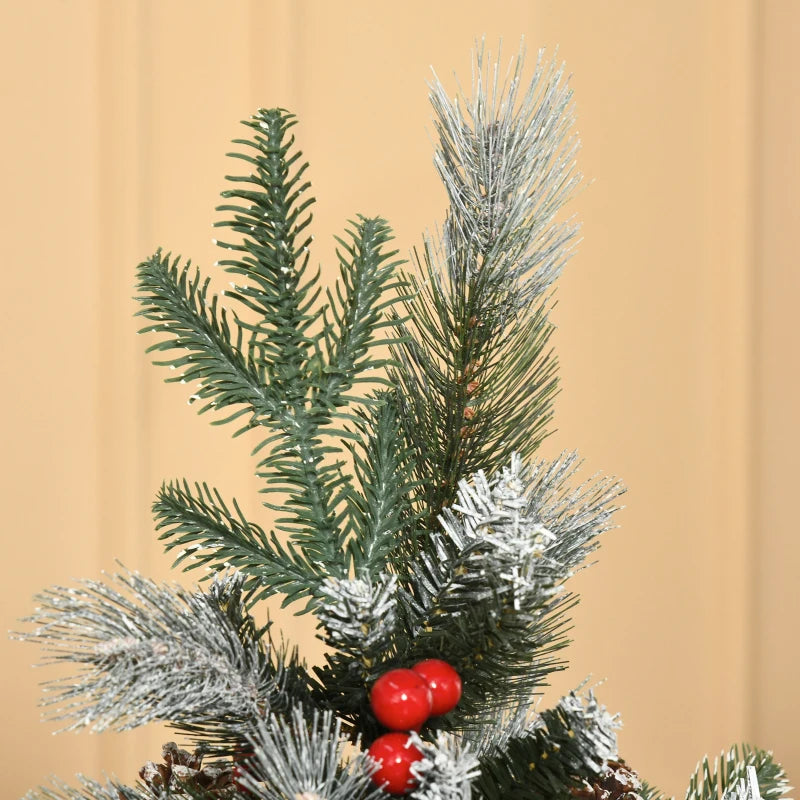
(477, 379)
(287, 362)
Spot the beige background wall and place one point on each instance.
(678, 336)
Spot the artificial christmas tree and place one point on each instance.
(399, 415)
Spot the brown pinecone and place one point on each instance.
(183, 770)
(616, 782)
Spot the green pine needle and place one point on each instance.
(381, 515)
(711, 781)
(178, 305)
(288, 362)
(564, 745)
(198, 523)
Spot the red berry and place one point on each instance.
(444, 683)
(401, 700)
(236, 778)
(395, 756)
(243, 753)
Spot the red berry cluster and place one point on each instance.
(403, 700)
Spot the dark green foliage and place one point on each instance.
(303, 460)
(477, 376)
(383, 537)
(650, 792)
(357, 308)
(476, 382)
(458, 610)
(381, 515)
(178, 304)
(200, 524)
(288, 363)
(272, 216)
(527, 524)
(470, 383)
(712, 781)
(546, 759)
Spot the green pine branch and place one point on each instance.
(358, 619)
(564, 746)
(477, 378)
(211, 356)
(712, 781)
(271, 214)
(287, 361)
(304, 461)
(476, 385)
(356, 307)
(488, 588)
(300, 467)
(381, 516)
(459, 605)
(198, 523)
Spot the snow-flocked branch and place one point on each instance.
(446, 769)
(302, 758)
(358, 616)
(147, 652)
